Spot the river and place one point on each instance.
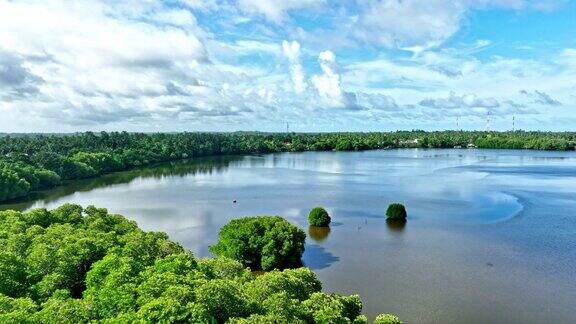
(491, 235)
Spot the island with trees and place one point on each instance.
(319, 217)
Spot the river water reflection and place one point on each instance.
(491, 236)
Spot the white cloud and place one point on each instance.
(408, 22)
(419, 25)
(91, 57)
(328, 83)
(276, 11)
(200, 4)
(105, 63)
(292, 52)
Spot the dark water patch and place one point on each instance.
(317, 257)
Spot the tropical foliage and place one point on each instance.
(387, 319)
(43, 161)
(261, 243)
(75, 265)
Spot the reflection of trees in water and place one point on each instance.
(396, 225)
(318, 234)
(183, 168)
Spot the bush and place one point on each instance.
(261, 243)
(396, 211)
(387, 319)
(319, 217)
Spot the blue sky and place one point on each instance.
(320, 65)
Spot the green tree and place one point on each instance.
(396, 211)
(223, 299)
(12, 186)
(318, 216)
(332, 308)
(262, 242)
(387, 319)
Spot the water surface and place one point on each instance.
(491, 236)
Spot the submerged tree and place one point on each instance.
(396, 212)
(319, 217)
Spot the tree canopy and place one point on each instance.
(85, 265)
(318, 216)
(33, 162)
(396, 211)
(261, 242)
(387, 319)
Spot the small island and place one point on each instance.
(396, 212)
(319, 217)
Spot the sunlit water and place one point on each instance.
(491, 236)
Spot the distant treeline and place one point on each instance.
(35, 162)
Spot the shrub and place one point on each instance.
(396, 211)
(319, 217)
(387, 319)
(262, 242)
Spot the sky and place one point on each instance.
(265, 65)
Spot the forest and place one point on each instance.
(85, 265)
(35, 162)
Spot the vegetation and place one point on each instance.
(261, 243)
(75, 265)
(34, 162)
(396, 211)
(319, 217)
(387, 319)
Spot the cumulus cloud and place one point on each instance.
(328, 83)
(190, 63)
(95, 56)
(292, 52)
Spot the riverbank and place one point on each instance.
(35, 162)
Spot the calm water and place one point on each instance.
(491, 236)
